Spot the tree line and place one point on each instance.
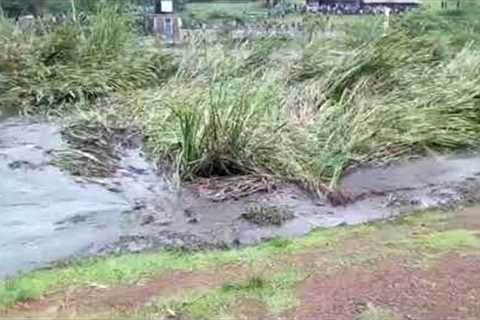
(16, 8)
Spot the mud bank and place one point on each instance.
(48, 215)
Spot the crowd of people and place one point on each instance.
(355, 9)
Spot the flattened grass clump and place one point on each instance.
(262, 49)
(91, 150)
(304, 110)
(326, 109)
(267, 216)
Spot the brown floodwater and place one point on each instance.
(47, 215)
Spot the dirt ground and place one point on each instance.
(445, 288)
(448, 290)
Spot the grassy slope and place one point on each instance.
(420, 236)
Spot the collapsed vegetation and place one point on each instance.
(304, 109)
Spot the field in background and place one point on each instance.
(207, 10)
(236, 9)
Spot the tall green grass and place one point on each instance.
(305, 109)
(222, 128)
(79, 63)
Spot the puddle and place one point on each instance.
(47, 215)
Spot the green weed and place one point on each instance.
(376, 313)
(447, 240)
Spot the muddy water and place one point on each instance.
(47, 215)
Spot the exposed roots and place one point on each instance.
(92, 149)
(232, 188)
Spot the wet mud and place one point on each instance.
(49, 215)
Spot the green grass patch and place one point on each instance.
(420, 237)
(447, 240)
(276, 294)
(424, 231)
(425, 218)
(376, 313)
(228, 10)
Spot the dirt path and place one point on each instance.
(448, 290)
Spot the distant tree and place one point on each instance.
(16, 8)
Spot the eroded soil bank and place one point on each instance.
(48, 215)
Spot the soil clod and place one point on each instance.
(264, 216)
